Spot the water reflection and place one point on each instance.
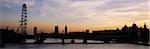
(75, 46)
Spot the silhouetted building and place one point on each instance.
(35, 32)
(56, 30)
(118, 31)
(144, 34)
(7, 28)
(125, 30)
(104, 32)
(9, 36)
(141, 30)
(133, 33)
(66, 30)
(87, 31)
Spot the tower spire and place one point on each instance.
(145, 25)
(66, 29)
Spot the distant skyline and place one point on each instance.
(78, 15)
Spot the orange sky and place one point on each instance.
(78, 15)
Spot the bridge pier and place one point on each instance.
(39, 39)
(86, 36)
(145, 43)
(106, 41)
(63, 41)
(72, 41)
(2, 45)
(85, 41)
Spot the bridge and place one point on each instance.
(85, 37)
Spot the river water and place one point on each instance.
(74, 46)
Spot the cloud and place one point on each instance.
(80, 10)
(62, 10)
(91, 12)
